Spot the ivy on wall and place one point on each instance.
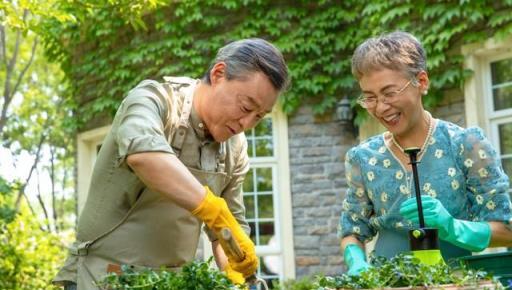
(104, 55)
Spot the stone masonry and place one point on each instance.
(317, 148)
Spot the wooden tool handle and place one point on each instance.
(233, 246)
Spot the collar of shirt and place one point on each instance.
(199, 126)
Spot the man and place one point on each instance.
(175, 158)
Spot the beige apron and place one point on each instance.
(155, 232)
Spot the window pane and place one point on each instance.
(266, 232)
(502, 98)
(260, 139)
(501, 74)
(501, 71)
(264, 147)
(250, 145)
(249, 206)
(264, 179)
(249, 181)
(505, 135)
(507, 166)
(265, 206)
(264, 128)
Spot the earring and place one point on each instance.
(425, 92)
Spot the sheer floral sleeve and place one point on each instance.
(487, 184)
(357, 207)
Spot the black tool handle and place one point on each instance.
(413, 153)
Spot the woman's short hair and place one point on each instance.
(247, 56)
(399, 51)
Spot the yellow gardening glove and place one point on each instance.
(216, 215)
(235, 277)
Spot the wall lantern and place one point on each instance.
(344, 113)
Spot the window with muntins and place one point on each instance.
(500, 109)
(260, 198)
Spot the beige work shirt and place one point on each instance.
(123, 222)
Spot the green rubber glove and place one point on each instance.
(472, 236)
(355, 260)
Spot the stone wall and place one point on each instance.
(317, 150)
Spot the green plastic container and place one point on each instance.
(506, 280)
(498, 264)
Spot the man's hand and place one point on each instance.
(472, 236)
(235, 277)
(216, 215)
(355, 260)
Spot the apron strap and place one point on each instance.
(188, 92)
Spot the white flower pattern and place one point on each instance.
(483, 172)
(386, 163)
(399, 175)
(426, 186)
(382, 149)
(372, 161)
(455, 184)
(490, 205)
(370, 175)
(482, 154)
(451, 172)
(384, 197)
(468, 163)
(439, 153)
(479, 199)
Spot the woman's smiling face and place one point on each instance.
(404, 112)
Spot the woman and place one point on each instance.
(463, 186)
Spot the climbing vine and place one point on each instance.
(105, 55)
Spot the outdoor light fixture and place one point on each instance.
(344, 112)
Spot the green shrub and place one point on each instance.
(30, 256)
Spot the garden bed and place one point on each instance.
(403, 272)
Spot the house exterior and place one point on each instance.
(294, 190)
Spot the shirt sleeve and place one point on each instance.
(140, 123)
(487, 184)
(357, 207)
(233, 193)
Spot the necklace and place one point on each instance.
(427, 139)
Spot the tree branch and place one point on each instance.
(3, 44)
(34, 165)
(41, 202)
(8, 94)
(52, 178)
(27, 66)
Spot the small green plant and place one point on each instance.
(404, 271)
(193, 276)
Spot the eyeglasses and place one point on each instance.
(370, 102)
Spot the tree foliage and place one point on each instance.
(30, 256)
(105, 56)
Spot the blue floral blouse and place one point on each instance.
(459, 167)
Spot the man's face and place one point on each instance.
(237, 105)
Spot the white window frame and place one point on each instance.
(281, 196)
(87, 144)
(478, 92)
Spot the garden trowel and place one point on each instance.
(424, 242)
(235, 249)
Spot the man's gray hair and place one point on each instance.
(247, 56)
(399, 51)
